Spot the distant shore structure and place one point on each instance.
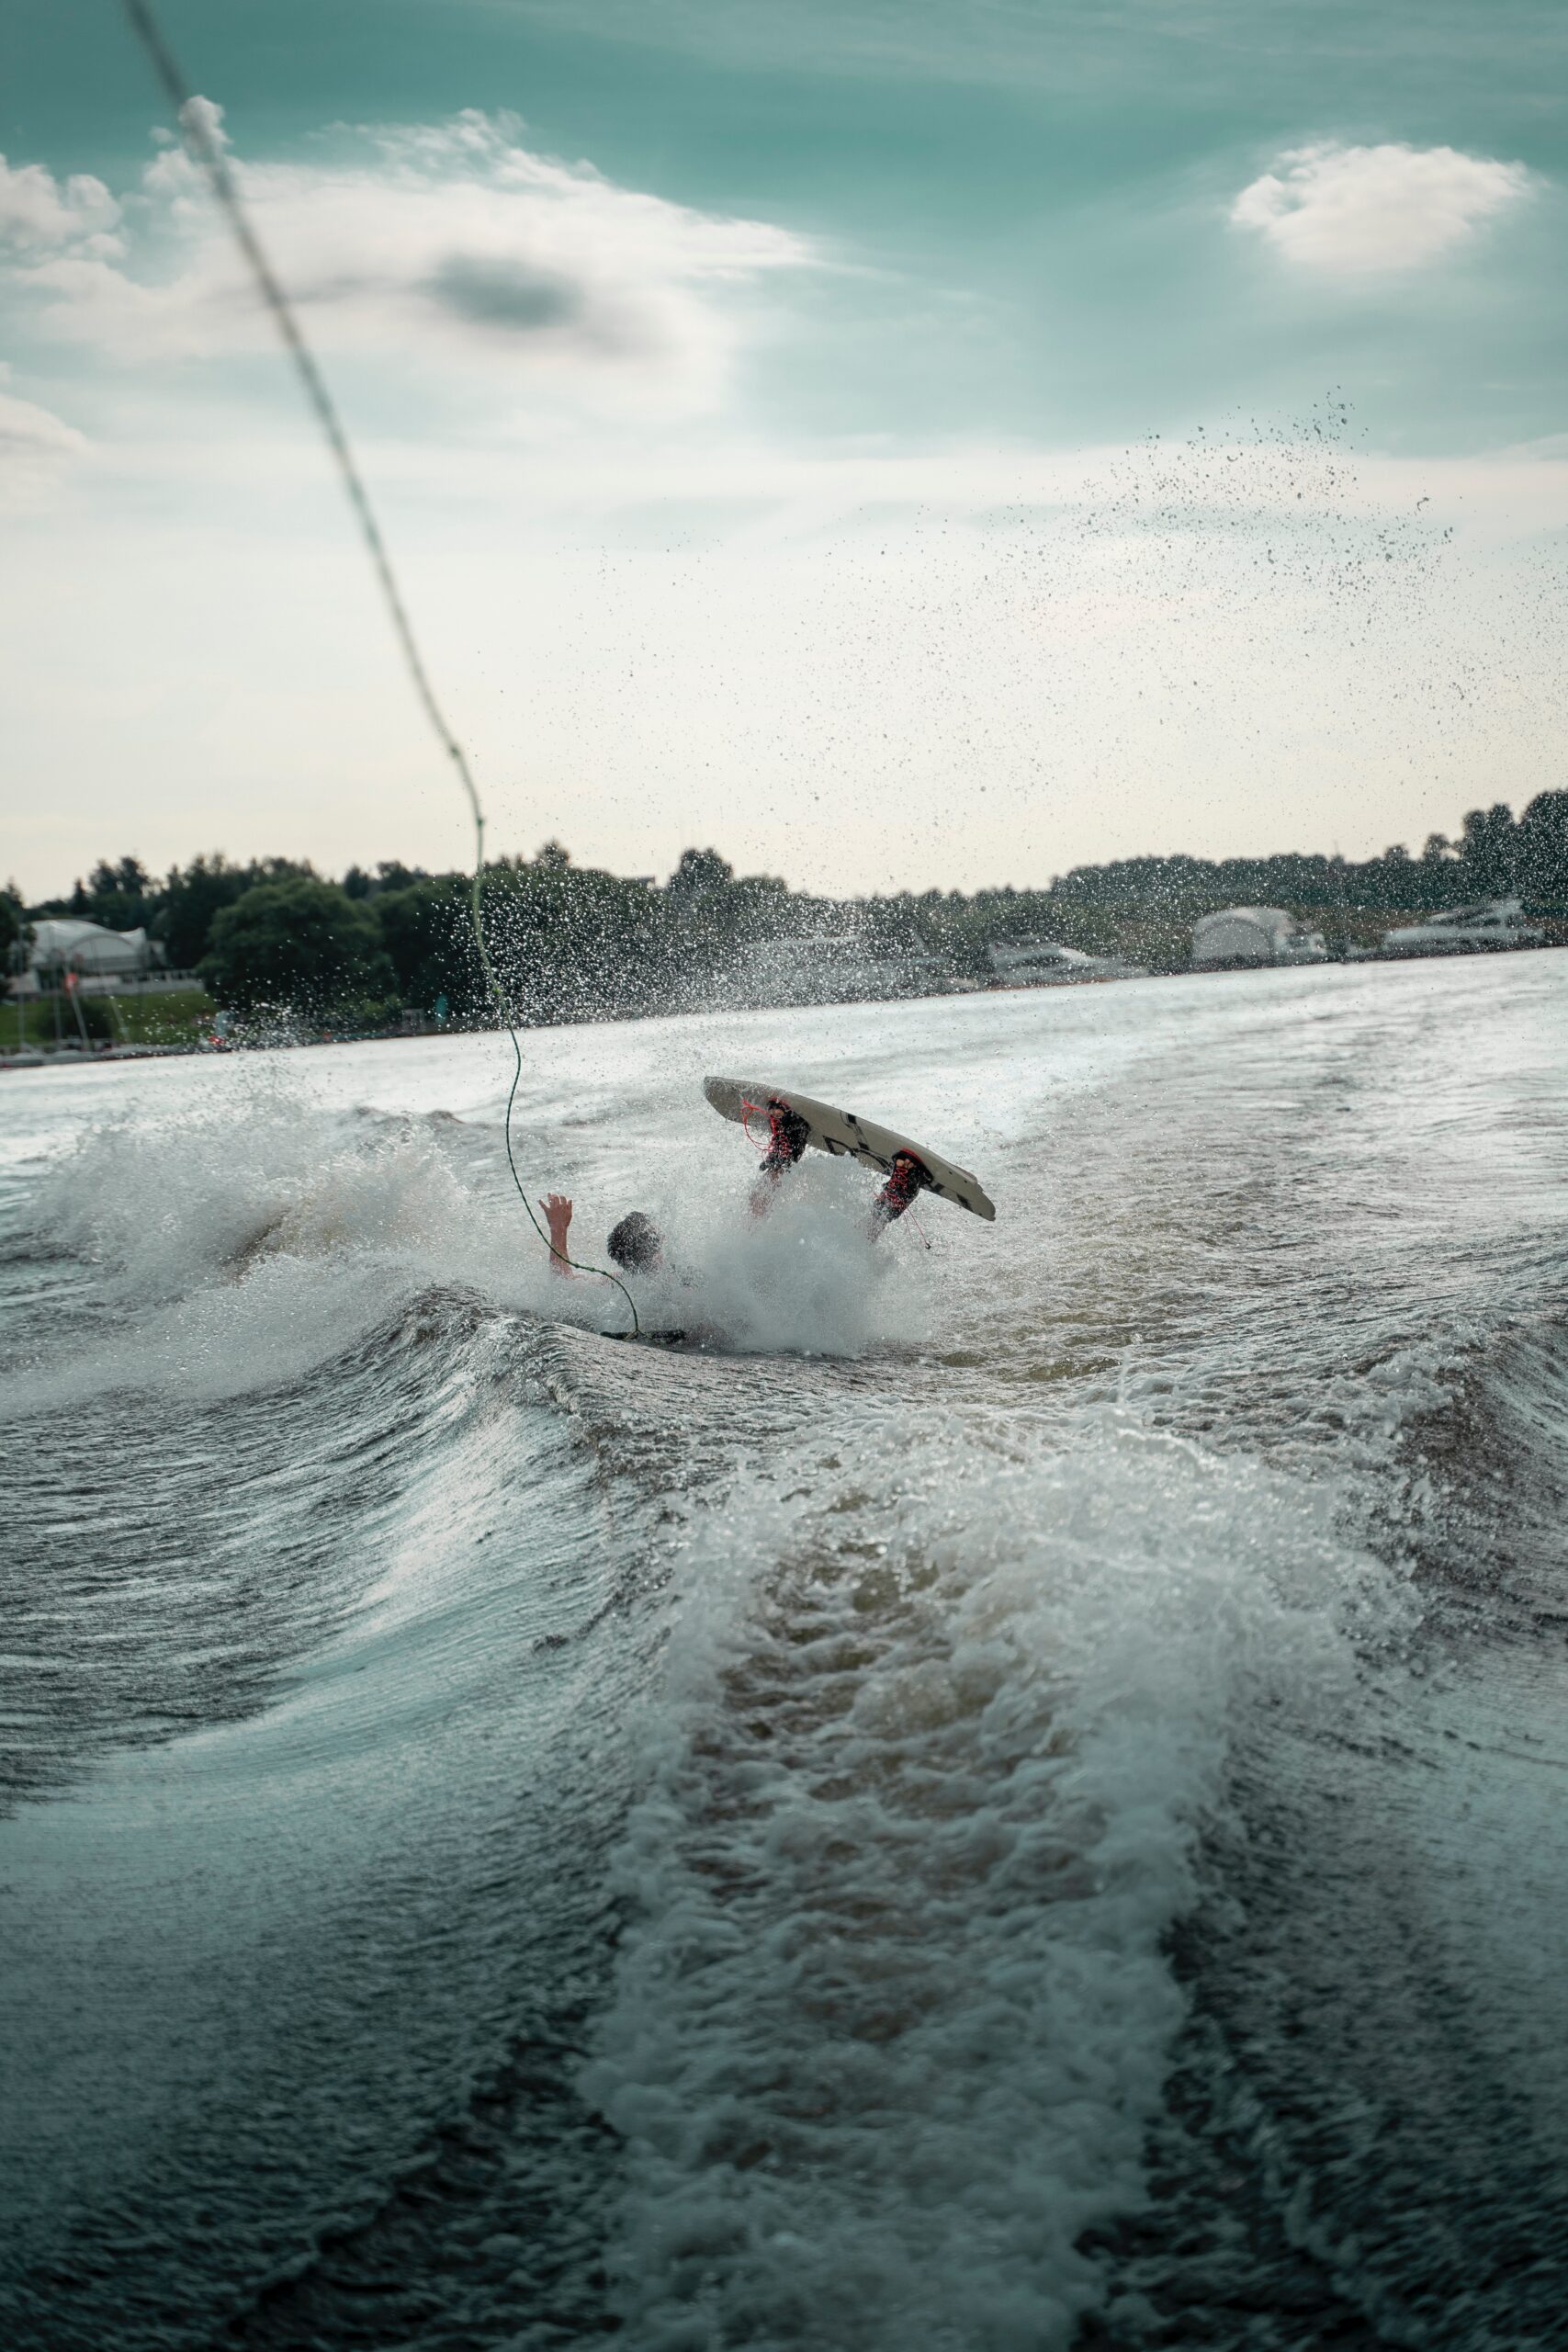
(1046, 964)
(1466, 930)
(1242, 938)
(92, 961)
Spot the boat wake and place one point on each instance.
(1016, 1803)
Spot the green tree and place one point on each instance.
(391, 874)
(193, 900)
(570, 943)
(699, 871)
(1543, 849)
(13, 928)
(1489, 851)
(427, 931)
(301, 942)
(121, 894)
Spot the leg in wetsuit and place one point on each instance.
(907, 1177)
(787, 1133)
(787, 1137)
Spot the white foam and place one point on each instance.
(941, 1730)
(238, 1249)
(807, 1278)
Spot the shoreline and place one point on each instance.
(75, 1056)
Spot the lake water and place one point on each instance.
(1020, 1802)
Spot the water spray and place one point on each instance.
(205, 148)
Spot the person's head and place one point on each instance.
(636, 1244)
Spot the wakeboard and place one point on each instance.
(848, 1136)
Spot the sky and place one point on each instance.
(898, 443)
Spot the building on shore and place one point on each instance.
(1046, 964)
(1242, 938)
(1466, 930)
(91, 960)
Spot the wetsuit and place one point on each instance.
(789, 1134)
(787, 1137)
(907, 1177)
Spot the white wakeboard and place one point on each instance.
(848, 1136)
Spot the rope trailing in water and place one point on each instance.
(206, 150)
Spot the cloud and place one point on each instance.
(39, 212)
(36, 447)
(1366, 211)
(497, 291)
(420, 244)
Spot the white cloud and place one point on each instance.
(1364, 211)
(36, 447)
(39, 212)
(426, 246)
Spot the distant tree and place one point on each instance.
(13, 931)
(390, 874)
(193, 900)
(297, 942)
(1542, 866)
(1489, 850)
(699, 870)
(427, 932)
(572, 943)
(121, 894)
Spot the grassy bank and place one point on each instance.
(171, 1018)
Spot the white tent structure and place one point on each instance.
(86, 949)
(1253, 935)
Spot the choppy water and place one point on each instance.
(1022, 1806)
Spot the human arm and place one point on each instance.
(557, 1216)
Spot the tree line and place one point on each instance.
(1495, 855)
(575, 942)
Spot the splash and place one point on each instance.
(244, 1241)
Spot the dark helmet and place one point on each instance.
(636, 1242)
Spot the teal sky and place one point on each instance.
(934, 443)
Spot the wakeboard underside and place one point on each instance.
(847, 1136)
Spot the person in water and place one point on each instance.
(637, 1244)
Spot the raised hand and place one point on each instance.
(557, 1216)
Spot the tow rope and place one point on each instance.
(205, 151)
